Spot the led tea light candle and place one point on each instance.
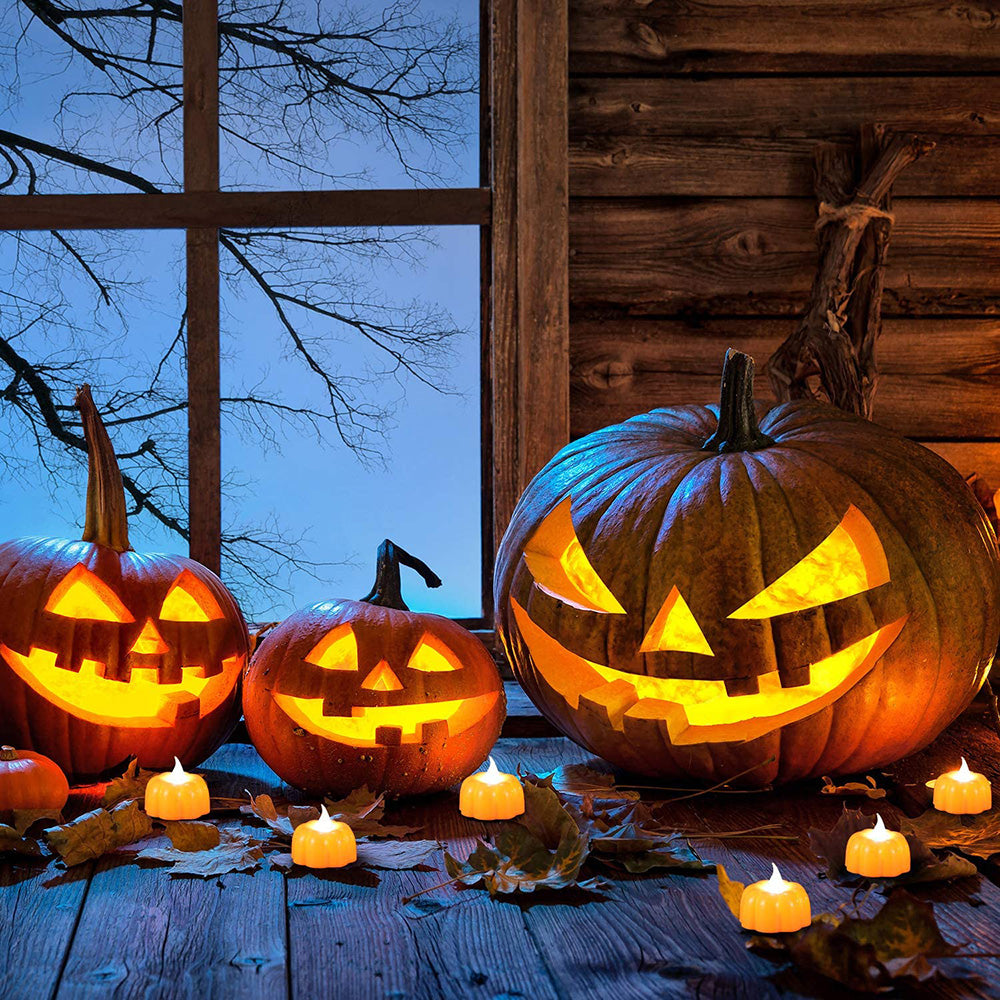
(324, 843)
(491, 794)
(774, 906)
(878, 852)
(962, 791)
(177, 795)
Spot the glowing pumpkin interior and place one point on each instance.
(849, 561)
(384, 725)
(143, 699)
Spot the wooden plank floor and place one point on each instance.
(115, 930)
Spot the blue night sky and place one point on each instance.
(425, 495)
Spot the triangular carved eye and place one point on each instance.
(676, 629)
(82, 595)
(433, 656)
(560, 567)
(337, 650)
(849, 561)
(190, 600)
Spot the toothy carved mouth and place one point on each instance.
(389, 725)
(142, 701)
(699, 711)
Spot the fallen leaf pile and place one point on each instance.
(977, 836)
(926, 865)
(895, 947)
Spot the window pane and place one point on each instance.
(349, 95)
(102, 308)
(90, 101)
(352, 380)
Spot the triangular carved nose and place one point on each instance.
(149, 640)
(382, 679)
(675, 628)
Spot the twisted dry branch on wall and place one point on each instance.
(835, 342)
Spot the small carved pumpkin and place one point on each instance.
(106, 653)
(689, 594)
(30, 780)
(349, 693)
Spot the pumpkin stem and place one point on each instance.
(387, 593)
(106, 522)
(737, 430)
(8, 753)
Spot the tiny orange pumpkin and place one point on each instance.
(30, 780)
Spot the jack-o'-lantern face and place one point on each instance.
(350, 693)
(149, 660)
(738, 703)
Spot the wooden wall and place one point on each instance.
(691, 125)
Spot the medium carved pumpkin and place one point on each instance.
(689, 594)
(107, 653)
(349, 693)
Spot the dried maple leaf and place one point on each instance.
(98, 832)
(25, 819)
(578, 781)
(131, 784)
(189, 836)
(830, 846)
(12, 842)
(235, 852)
(978, 836)
(401, 855)
(640, 850)
(730, 890)
(543, 849)
(868, 788)
(281, 820)
(362, 810)
(893, 948)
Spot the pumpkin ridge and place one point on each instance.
(901, 545)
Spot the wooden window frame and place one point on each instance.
(521, 207)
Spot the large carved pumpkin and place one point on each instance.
(689, 594)
(107, 653)
(349, 693)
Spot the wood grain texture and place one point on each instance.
(542, 247)
(760, 166)
(143, 934)
(782, 107)
(40, 922)
(764, 36)
(623, 367)
(758, 256)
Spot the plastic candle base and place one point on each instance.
(963, 792)
(491, 794)
(177, 795)
(324, 843)
(775, 906)
(878, 852)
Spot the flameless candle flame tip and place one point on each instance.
(324, 824)
(878, 830)
(178, 774)
(775, 883)
(492, 774)
(963, 773)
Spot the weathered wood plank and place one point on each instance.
(758, 256)
(143, 934)
(762, 36)
(761, 166)
(542, 248)
(40, 923)
(938, 377)
(783, 107)
(247, 209)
